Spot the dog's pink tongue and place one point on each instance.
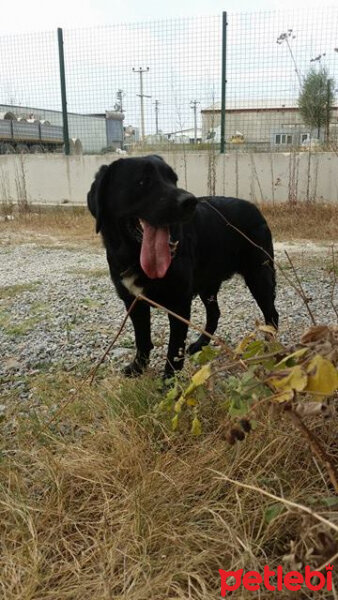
(155, 251)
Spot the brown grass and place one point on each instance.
(52, 226)
(109, 504)
(69, 225)
(303, 221)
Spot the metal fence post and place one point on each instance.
(63, 92)
(224, 80)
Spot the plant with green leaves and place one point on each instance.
(226, 392)
(316, 100)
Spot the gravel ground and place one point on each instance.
(58, 308)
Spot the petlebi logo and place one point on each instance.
(291, 580)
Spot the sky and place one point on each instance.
(37, 15)
(179, 41)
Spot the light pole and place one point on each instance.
(141, 96)
(156, 115)
(193, 105)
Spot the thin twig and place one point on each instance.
(216, 339)
(261, 357)
(306, 300)
(92, 372)
(240, 231)
(113, 342)
(328, 562)
(300, 291)
(334, 283)
(259, 490)
(315, 446)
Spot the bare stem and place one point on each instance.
(93, 371)
(216, 339)
(315, 446)
(301, 292)
(289, 503)
(334, 283)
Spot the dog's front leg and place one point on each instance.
(178, 334)
(140, 316)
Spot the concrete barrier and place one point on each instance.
(260, 177)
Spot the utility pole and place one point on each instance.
(156, 115)
(193, 105)
(141, 96)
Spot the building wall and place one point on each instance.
(259, 177)
(258, 126)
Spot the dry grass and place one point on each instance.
(108, 503)
(65, 226)
(303, 221)
(69, 225)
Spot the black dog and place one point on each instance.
(165, 243)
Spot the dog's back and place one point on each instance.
(231, 236)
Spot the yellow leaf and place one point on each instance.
(285, 396)
(174, 422)
(179, 404)
(322, 376)
(289, 379)
(198, 379)
(201, 375)
(294, 355)
(244, 343)
(191, 402)
(267, 329)
(196, 427)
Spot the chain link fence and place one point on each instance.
(273, 76)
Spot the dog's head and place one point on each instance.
(143, 194)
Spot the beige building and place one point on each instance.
(262, 125)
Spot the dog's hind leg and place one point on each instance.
(209, 299)
(140, 316)
(261, 283)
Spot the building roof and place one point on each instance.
(253, 104)
(190, 130)
(29, 109)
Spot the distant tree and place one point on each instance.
(316, 100)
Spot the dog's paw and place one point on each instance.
(202, 341)
(195, 347)
(134, 369)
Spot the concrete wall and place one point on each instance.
(261, 177)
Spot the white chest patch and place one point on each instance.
(129, 283)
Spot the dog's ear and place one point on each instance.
(98, 192)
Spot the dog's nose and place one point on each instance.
(187, 202)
